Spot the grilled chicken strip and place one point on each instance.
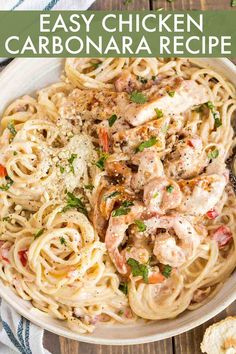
(171, 96)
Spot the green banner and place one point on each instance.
(117, 34)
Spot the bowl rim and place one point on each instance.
(114, 341)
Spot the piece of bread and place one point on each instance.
(220, 338)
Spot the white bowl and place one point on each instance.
(24, 76)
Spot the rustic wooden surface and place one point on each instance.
(186, 343)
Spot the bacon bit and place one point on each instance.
(212, 214)
(103, 139)
(23, 257)
(190, 143)
(222, 235)
(3, 171)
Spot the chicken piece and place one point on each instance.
(149, 166)
(129, 82)
(129, 140)
(172, 96)
(201, 194)
(220, 338)
(187, 160)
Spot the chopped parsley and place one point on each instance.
(217, 120)
(170, 188)
(138, 97)
(62, 169)
(71, 160)
(124, 209)
(213, 154)
(15, 153)
(63, 241)
(6, 218)
(154, 77)
(90, 187)
(75, 202)
(141, 226)
(39, 233)
(216, 116)
(171, 93)
(124, 288)
(111, 195)
(146, 144)
(138, 269)
(167, 271)
(112, 120)
(95, 65)
(159, 112)
(155, 195)
(142, 79)
(5, 187)
(11, 127)
(120, 312)
(101, 162)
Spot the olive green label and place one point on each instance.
(117, 34)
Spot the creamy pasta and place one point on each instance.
(115, 200)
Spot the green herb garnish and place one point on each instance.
(15, 153)
(6, 218)
(124, 209)
(170, 188)
(138, 269)
(120, 313)
(6, 186)
(218, 121)
(127, 203)
(90, 187)
(95, 65)
(171, 93)
(63, 241)
(124, 288)
(213, 154)
(112, 195)
(141, 226)
(138, 97)
(62, 169)
(112, 120)
(101, 162)
(71, 161)
(154, 77)
(75, 202)
(11, 127)
(155, 195)
(159, 112)
(167, 271)
(146, 144)
(142, 79)
(39, 233)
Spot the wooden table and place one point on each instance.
(186, 343)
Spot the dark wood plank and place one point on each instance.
(52, 343)
(120, 5)
(192, 4)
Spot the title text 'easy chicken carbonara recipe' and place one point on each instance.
(115, 201)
